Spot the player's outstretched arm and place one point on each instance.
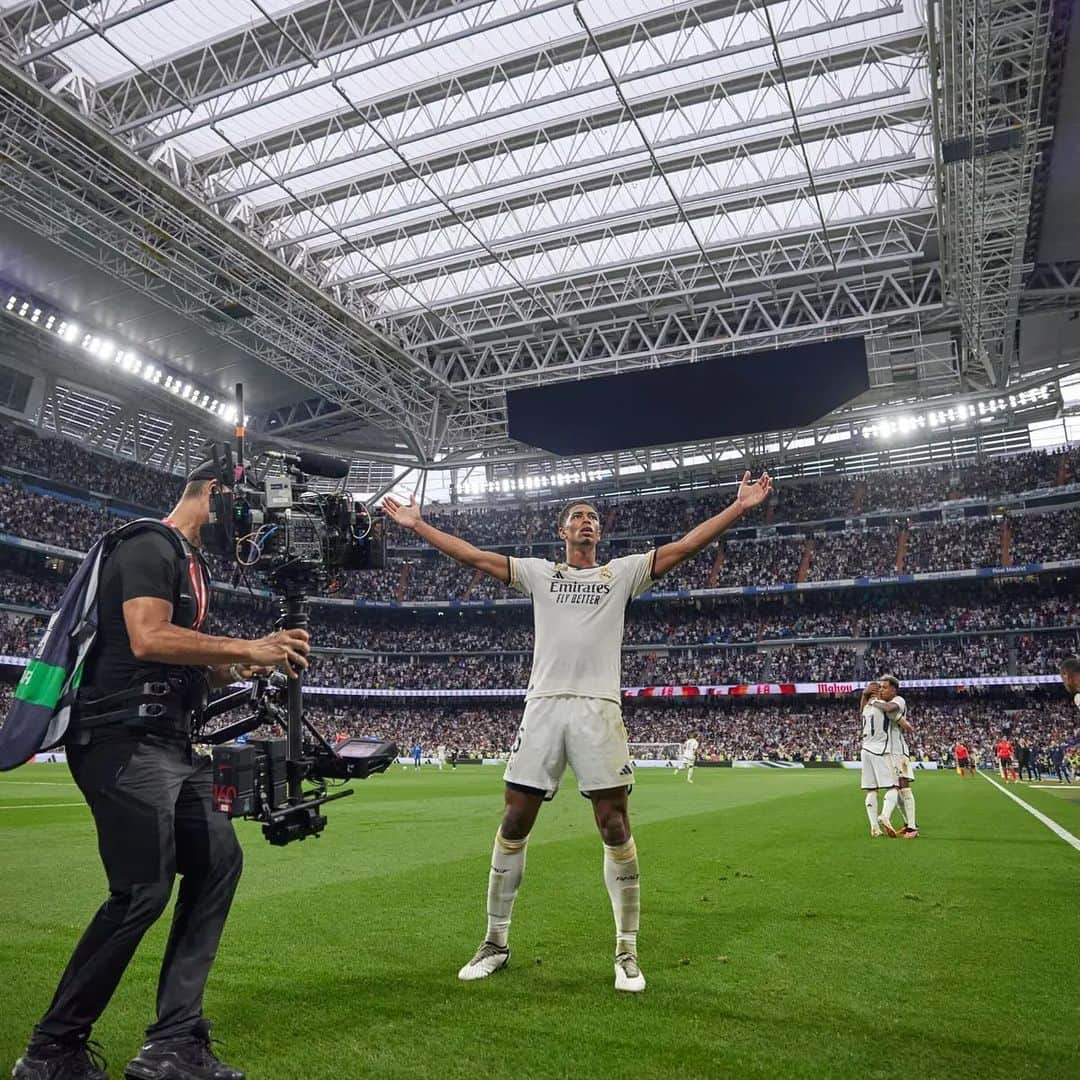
(408, 516)
(750, 494)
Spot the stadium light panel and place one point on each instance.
(12, 301)
(36, 315)
(24, 308)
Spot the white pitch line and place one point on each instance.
(36, 783)
(1050, 823)
(41, 805)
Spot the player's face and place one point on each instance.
(888, 691)
(582, 528)
(1071, 681)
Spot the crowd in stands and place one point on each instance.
(18, 636)
(1044, 537)
(61, 459)
(1035, 654)
(423, 576)
(835, 556)
(796, 729)
(829, 496)
(50, 519)
(918, 658)
(667, 642)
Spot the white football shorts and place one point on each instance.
(585, 733)
(902, 764)
(879, 770)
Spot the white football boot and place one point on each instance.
(628, 975)
(489, 958)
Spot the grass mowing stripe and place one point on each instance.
(1050, 823)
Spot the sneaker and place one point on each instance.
(628, 975)
(489, 958)
(875, 833)
(909, 834)
(74, 1059)
(887, 829)
(181, 1057)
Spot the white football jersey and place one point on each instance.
(689, 748)
(578, 618)
(897, 743)
(875, 730)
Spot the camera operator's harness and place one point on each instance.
(172, 706)
(177, 705)
(49, 696)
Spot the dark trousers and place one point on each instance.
(152, 805)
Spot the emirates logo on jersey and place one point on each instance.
(578, 592)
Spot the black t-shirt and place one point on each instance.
(146, 564)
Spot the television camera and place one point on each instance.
(282, 527)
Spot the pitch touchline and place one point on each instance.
(1052, 825)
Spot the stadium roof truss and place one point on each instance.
(412, 206)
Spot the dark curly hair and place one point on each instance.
(564, 513)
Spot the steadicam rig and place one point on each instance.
(264, 780)
(283, 528)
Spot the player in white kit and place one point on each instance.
(440, 756)
(886, 761)
(688, 756)
(573, 711)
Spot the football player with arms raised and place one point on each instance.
(573, 711)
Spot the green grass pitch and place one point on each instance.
(777, 938)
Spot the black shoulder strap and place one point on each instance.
(181, 547)
(138, 525)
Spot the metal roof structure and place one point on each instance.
(408, 207)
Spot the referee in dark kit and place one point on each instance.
(150, 796)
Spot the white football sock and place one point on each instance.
(690, 773)
(623, 880)
(871, 810)
(889, 805)
(507, 869)
(907, 805)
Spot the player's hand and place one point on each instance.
(906, 726)
(405, 515)
(753, 492)
(285, 649)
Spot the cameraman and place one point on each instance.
(150, 796)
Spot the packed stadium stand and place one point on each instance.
(996, 605)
